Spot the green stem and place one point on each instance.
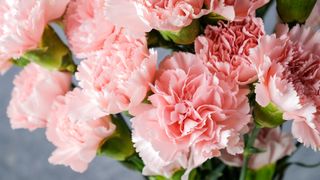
(248, 151)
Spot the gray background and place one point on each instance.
(23, 155)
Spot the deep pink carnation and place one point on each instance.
(288, 68)
(192, 116)
(87, 28)
(225, 48)
(117, 78)
(77, 142)
(22, 24)
(274, 145)
(34, 92)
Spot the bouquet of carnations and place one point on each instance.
(215, 108)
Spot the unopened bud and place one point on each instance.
(295, 11)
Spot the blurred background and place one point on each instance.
(24, 155)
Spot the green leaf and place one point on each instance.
(295, 11)
(119, 146)
(264, 173)
(216, 173)
(157, 178)
(269, 116)
(133, 162)
(177, 175)
(185, 36)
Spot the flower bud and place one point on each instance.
(185, 36)
(119, 145)
(269, 116)
(51, 53)
(295, 11)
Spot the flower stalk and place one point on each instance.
(248, 151)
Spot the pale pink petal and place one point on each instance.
(193, 112)
(76, 142)
(310, 137)
(32, 97)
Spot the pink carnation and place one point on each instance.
(117, 78)
(144, 15)
(274, 144)
(22, 24)
(34, 92)
(225, 48)
(288, 68)
(235, 9)
(314, 18)
(192, 116)
(77, 142)
(87, 28)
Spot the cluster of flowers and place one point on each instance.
(191, 108)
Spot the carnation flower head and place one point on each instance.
(274, 145)
(225, 48)
(117, 78)
(87, 28)
(288, 68)
(22, 24)
(235, 9)
(144, 15)
(194, 113)
(35, 89)
(76, 142)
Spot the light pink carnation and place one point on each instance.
(192, 116)
(288, 68)
(34, 92)
(87, 28)
(77, 142)
(144, 15)
(225, 48)
(117, 78)
(314, 18)
(235, 9)
(22, 24)
(274, 144)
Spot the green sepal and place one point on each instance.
(119, 145)
(185, 36)
(213, 18)
(21, 62)
(51, 53)
(269, 116)
(295, 11)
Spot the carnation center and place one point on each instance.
(184, 120)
